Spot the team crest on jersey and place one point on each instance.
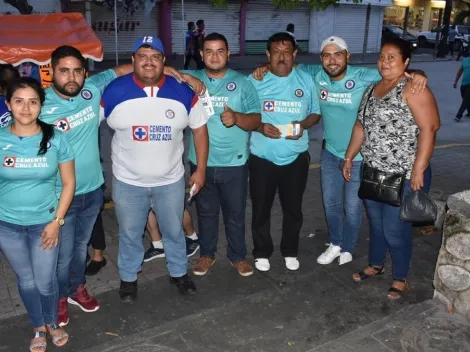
(268, 105)
(231, 86)
(169, 114)
(62, 125)
(5, 119)
(350, 84)
(323, 94)
(299, 93)
(9, 161)
(140, 133)
(86, 94)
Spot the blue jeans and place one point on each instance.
(132, 205)
(388, 232)
(76, 234)
(226, 188)
(35, 270)
(341, 201)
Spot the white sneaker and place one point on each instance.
(292, 263)
(262, 264)
(331, 253)
(344, 258)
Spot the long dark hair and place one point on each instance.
(46, 129)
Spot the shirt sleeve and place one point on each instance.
(314, 104)
(250, 99)
(312, 69)
(101, 80)
(65, 152)
(197, 115)
(369, 75)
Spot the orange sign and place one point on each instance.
(45, 73)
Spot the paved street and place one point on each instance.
(318, 308)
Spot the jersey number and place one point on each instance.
(147, 40)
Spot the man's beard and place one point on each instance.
(62, 90)
(340, 72)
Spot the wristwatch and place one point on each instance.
(60, 221)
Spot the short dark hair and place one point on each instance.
(281, 37)
(199, 22)
(215, 36)
(402, 46)
(46, 129)
(8, 73)
(190, 25)
(67, 51)
(290, 27)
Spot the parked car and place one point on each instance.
(391, 31)
(429, 37)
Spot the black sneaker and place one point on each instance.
(94, 267)
(128, 291)
(153, 253)
(457, 119)
(192, 246)
(468, 115)
(185, 284)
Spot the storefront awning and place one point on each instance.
(32, 38)
(382, 3)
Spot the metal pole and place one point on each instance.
(405, 24)
(366, 33)
(184, 32)
(91, 63)
(116, 32)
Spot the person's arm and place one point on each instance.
(418, 78)
(457, 78)
(197, 122)
(123, 70)
(354, 147)
(260, 71)
(249, 118)
(424, 109)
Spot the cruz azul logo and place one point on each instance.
(152, 133)
(289, 107)
(75, 120)
(24, 163)
(323, 94)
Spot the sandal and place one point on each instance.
(378, 270)
(39, 346)
(395, 293)
(57, 337)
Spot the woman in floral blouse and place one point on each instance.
(395, 132)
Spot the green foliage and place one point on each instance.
(290, 4)
(461, 16)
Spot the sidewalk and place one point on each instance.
(318, 308)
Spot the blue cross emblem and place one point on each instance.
(140, 133)
(62, 125)
(269, 105)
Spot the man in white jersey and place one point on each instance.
(148, 112)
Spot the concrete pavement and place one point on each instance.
(318, 308)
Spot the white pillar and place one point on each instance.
(427, 16)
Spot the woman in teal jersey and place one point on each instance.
(30, 213)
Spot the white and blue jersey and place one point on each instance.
(147, 146)
(5, 115)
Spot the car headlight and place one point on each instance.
(415, 44)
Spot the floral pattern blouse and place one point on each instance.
(390, 131)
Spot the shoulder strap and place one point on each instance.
(367, 103)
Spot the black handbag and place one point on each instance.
(378, 185)
(418, 207)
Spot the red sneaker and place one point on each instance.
(63, 313)
(83, 300)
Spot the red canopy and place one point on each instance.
(34, 37)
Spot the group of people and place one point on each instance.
(193, 40)
(251, 136)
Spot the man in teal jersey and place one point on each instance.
(237, 111)
(72, 105)
(288, 100)
(340, 88)
(464, 87)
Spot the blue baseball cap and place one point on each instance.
(153, 42)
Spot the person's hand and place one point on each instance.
(455, 85)
(270, 131)
(198, 178)
(173, 72)
(196, 84)
(260, 71)
(298, 135)
(417, 180)
(418, 81)
(228, 117)
(50, 236)
(347, 167)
